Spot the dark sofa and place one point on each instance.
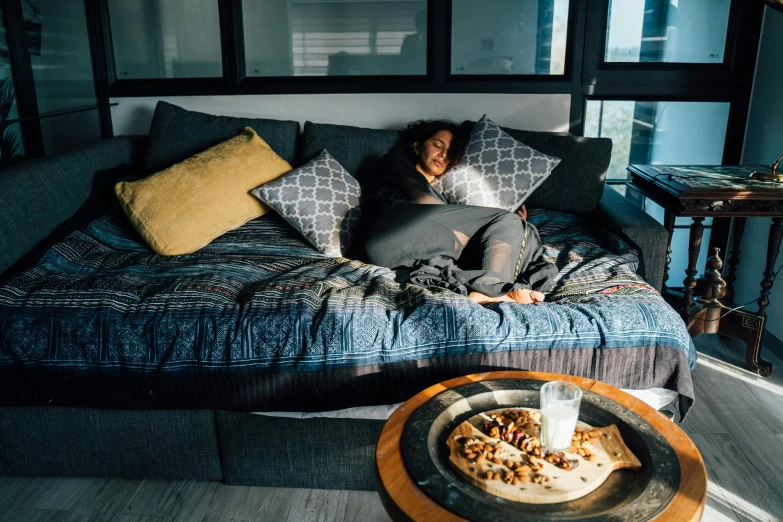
(218, 444)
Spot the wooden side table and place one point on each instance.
(405, 500)
(723, 193)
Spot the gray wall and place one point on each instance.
(541, 112)
(763, 144)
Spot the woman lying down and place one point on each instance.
(485, 253)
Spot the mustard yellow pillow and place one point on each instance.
(183, 208)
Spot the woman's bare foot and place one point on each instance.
(522, 296)
(483, 298)
(526, 296)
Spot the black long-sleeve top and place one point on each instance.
(398, 180)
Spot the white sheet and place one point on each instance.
(655, 397)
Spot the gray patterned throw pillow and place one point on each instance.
(319, 199)
(497, 170)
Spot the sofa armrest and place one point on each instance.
(38, 195)
(617, 214)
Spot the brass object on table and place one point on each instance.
(772, 175)
(775, 4)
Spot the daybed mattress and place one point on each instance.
(259, 321)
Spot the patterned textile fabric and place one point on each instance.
(497, 170)
(259, 298)
(320, 200)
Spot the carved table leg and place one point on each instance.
(668, 223)
(734, 260)
(775, 235)
(748, 328)
(697, 231)
(705, 315)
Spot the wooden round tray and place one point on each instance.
(625, 496)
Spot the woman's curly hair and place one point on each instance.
(421, 130)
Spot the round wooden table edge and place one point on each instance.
(394, 483)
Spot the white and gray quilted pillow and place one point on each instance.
(320, 200)
(497, 170)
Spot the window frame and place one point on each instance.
(586, 75)
(436, 80)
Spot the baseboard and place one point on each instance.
(773, 343)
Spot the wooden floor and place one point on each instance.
(737, 423)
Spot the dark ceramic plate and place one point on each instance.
(625, 496)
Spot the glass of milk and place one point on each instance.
(559, 413)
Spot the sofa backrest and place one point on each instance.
(576, 184)
(38, 195)
(177, 134)
(358, 150)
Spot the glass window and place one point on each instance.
(59, 47)
(509, 37)
(661, 133)
(166, 38)
(11, 146)
(335, 37)
(684, 31)
(658, 133)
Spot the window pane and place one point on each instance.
(658, 133)
(335, 37)
(11, 146)
(684, 31)
(166, 38)
(508, 37)
(661, 133)
(59, 47)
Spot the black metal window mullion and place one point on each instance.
(232, 41)
(439, 14)
(577, 20)
(99, 35)
(24, 81)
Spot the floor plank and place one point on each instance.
(35, 515)
(104, 499)
(16, 494)
(144, 518)
(365, 506)
(161, 498)
(224, 503)
(717, 508)
(196, 501)
(319, 504)
(269, 503)
(58, 493)
(749, 495)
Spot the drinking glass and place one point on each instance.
(559, 413)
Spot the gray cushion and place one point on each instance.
(497, 170)
(320, 199)
(177, 134)
(577, 183)
(358, 150)
(28, 190)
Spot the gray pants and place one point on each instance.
(461, 247)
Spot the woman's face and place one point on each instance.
(433, 153)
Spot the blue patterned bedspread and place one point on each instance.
(260, 299)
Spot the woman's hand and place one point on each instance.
(522, 212)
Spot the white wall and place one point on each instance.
(763, 144)
(541, 112)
